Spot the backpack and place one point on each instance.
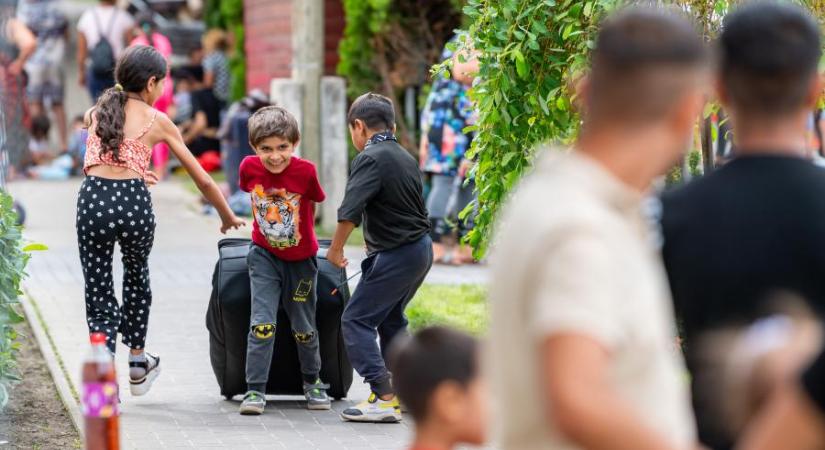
(102, 55)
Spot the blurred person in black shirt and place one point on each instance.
(754, 226)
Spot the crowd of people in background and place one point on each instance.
(34, 56)
(197, 97)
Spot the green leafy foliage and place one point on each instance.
(530, 50)
(365, 19)
(530, 53)
(13, 259)
(228, 15)
(389, 45)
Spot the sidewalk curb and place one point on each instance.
(66, 391)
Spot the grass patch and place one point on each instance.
(189, 183)
(356, 239)
(459, 306)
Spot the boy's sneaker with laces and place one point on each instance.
(316, 395)
(143, 370)
(374, 410)
(253, 404)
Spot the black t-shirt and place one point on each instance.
(385, 189)
(204, 100)
(735, 238)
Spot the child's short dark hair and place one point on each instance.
(769, 54)
(423, 362)
(40, 126)
(375, 110)
(273, 121)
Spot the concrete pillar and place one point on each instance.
(334, 138)
(289, 94)
(308, 67)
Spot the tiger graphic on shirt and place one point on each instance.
(277, 214)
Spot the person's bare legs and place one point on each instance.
(60, 119)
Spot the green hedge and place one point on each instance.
(13, 261)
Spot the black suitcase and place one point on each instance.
(227, 320)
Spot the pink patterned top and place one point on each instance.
(134, 154)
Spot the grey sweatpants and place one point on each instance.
(273, 282)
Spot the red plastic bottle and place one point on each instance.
(100, 397)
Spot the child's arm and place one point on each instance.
(205, 183)
(335, 252)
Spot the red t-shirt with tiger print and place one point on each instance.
(283, 206)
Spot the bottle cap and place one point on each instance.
(98, 338)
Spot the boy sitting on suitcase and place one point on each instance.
(282, 265)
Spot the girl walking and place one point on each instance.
(114, 204)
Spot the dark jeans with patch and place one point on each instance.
(275, 282)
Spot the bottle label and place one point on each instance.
(100, 400)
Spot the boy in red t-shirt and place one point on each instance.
(282, 264)
(436, 374)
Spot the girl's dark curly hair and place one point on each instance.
(133, 71)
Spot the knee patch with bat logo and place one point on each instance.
(304, 338)
(264, 331)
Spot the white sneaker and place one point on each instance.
(142, 374)
(374, 410)
(253, 404)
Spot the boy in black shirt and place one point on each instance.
(755, 226)
(385, 192)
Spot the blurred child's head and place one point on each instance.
(78, 122)
(769, 54)
(196, 54)
(188, 78)
(369, 114)
(255, 100)
(436, 375)
(215, 40)
(40, 127)
(274, 134)
(146, 21)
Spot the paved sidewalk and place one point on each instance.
(184, 409)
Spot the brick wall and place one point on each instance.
(334, 28)
(268, 43)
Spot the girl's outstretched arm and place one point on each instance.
(202, 180)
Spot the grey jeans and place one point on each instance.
(274, 282)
